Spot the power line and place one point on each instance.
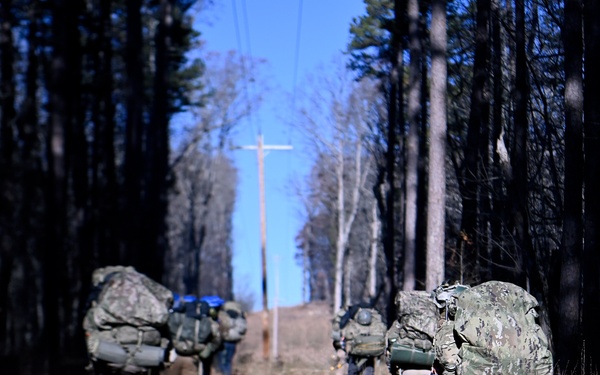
(297, 53)
(243, 58)
(251, 60)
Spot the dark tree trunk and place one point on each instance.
(394, 116)
(133, 253)
(104, 186)
(28, 217)
(7, 178)
(569, 339)
(591, 250)
(482, 249)
(55, 258)
(498, 253)
(476, 141)
(518, 186)
(158, 149)
(7, 90)
(76, 226)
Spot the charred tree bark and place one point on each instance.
(591, 252)
(568, 338)
(132, 252)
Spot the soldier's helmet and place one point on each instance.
(445, 296)
(363, 317)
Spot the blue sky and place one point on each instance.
(295, 37)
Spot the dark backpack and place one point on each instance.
(125, 324)
(365, 340)
(190, 326)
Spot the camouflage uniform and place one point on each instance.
(362, 343)
(413, 329)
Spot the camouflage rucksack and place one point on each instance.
(495, 324)
(125, 322)
(232, 320)
(410, 338)
(365, 338)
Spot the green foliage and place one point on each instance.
(371, 36)
(186, 72)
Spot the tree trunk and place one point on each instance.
(8, 182)
(340, 244)
(395, 117)
(104, 184)
(498, 254)
(568, 339)
(157, 148)
(518, 186)
(55, 257)
(375, 232)
(133, 253)
(7, 90)
(478, 123)
(591, 252)
(412, 146)
(436, 201)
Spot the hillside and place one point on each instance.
(304, 345)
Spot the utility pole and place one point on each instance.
(276, 311)
(263, 232)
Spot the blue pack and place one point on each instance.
(213, 301)
(180, 302)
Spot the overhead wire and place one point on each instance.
(243, 59)
(246, 219)
(297, 53)
(251, 60)
(289, 168)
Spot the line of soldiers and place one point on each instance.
(134, 325)
(490, 328)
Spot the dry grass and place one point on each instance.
(304, 343)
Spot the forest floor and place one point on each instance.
(303, 343)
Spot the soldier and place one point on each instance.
(410, 338)
(446, 350)
(360, 332)
(233, 326)
(195, 336)
(215, 303)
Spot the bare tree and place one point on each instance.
(201, 205)
(436, 201)
(336, 127)
(375, 240)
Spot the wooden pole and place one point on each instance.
(263, 246)
(263, 234)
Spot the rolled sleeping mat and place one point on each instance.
(146, 355)
(109, 352)
(412, 356)
(142, 355)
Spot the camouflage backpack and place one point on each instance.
(126, 318)
(365, 333)
(495, 326)
(192, 330)
(410, 338)
(232, 320)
